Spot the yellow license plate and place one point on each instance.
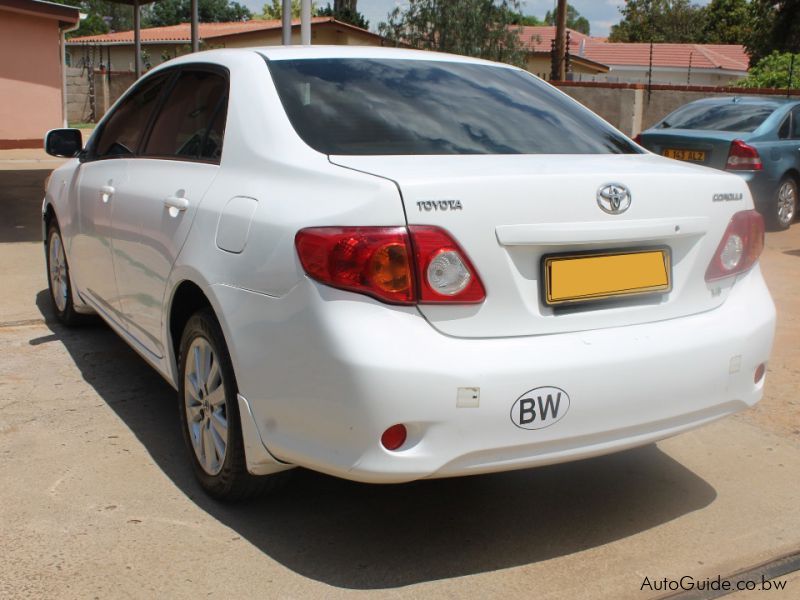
(587, 277)
(690, 155)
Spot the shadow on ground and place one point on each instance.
(21, 194)
(370, 537)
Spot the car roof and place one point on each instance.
(277, 53)
(776, 102)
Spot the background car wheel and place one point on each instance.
(58, 277)
(785, 208)
(209, 413)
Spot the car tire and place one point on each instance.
(209, 414)
(784, 208)
(58, 280)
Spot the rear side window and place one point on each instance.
(192, 121)
(796, 123)
(732, 116)
(123, 130)
(396, 106)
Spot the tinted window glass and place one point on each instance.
(123, 130)
(191, 122)
(361, 106)
(784, 130)
(719, 117)
(796, 123)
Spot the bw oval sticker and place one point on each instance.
(540, 407)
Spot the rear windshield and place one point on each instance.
(377, 107)
(719, 117)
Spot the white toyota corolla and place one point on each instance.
(389, 265)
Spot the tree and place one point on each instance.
(775, 26)
(102, 17)
(482, 28)
(773, 72)
(172, 12)
(726, 22)
(274, 10)
(529, 20)
(675, 21)
(346, 11)
(574, 19)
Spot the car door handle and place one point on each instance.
(176, 203)
(106, 191)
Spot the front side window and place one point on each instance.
(192, 121)
(397, 106)
(733, 116)
(123, 130)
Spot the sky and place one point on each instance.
(602, 14)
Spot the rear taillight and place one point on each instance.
(638, 138)
(392, 264)
(370, 260)
(443, 269)
(743, 157)
(740, 246)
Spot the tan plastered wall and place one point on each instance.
(30, 77)
(122, 56)
(539, 65)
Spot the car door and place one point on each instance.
(795, 137)
(178, 161)
(105, 169)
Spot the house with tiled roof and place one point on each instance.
(114, 51)
(676, 64)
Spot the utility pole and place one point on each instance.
(561, 39)
(286, 22)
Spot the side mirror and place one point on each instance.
(64, 143)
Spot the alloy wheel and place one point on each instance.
(58, 271)
(205, 405)
(787, 202)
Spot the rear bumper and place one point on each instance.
(762, 187)
(326, 372)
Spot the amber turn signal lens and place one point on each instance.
(759, 374)
(389, 269)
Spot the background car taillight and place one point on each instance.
(743, 157)
(740, 246)
(380, 262)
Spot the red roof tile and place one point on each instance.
(182, 32)
(702, 56)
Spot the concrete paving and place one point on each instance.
(98, 500)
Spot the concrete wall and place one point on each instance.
(631, 108)
(108, 87)
(671, 76)
(30, 79)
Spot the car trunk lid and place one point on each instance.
(714, 145)
(508, 212)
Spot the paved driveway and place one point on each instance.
(98, 501)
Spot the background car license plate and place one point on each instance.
(690, 155)
(575, 278)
